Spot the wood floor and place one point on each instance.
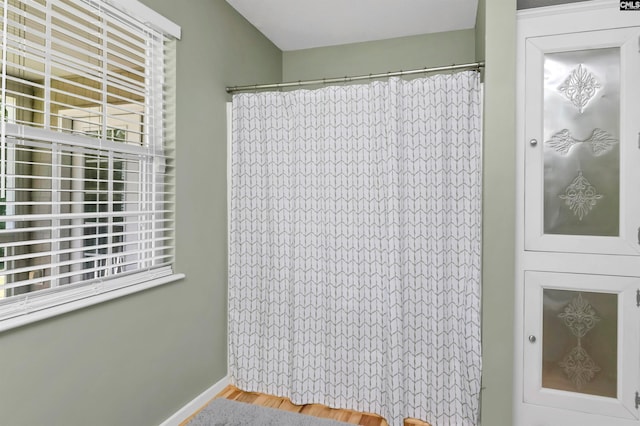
(348, 416)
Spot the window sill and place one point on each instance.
(55, 304)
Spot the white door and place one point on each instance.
(578, 283)
(583, 160)
(581, 348)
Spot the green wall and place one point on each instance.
(137, 360)
(496, 31)
(382, 56)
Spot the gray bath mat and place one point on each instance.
(224, 412)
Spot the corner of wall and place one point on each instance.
(480, 30)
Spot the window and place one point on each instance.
(86, 165)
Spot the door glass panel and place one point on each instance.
(582, 142)
(579, 349)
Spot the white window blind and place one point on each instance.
(86, 152)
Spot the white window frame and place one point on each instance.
(39, 305)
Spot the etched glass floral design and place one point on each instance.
(580, 317)
(579, 367)
(579, 87)
(600, 141)
(580, 196)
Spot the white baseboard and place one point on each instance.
(197, 403)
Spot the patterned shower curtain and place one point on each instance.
(354, 252)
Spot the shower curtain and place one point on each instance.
(354, 247)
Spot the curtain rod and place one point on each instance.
(472, 65)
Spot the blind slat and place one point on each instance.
(26, 136)
(83, 238)
(64, 252)
(160, 261)
(166, 222)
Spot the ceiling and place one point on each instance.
(303, 24)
